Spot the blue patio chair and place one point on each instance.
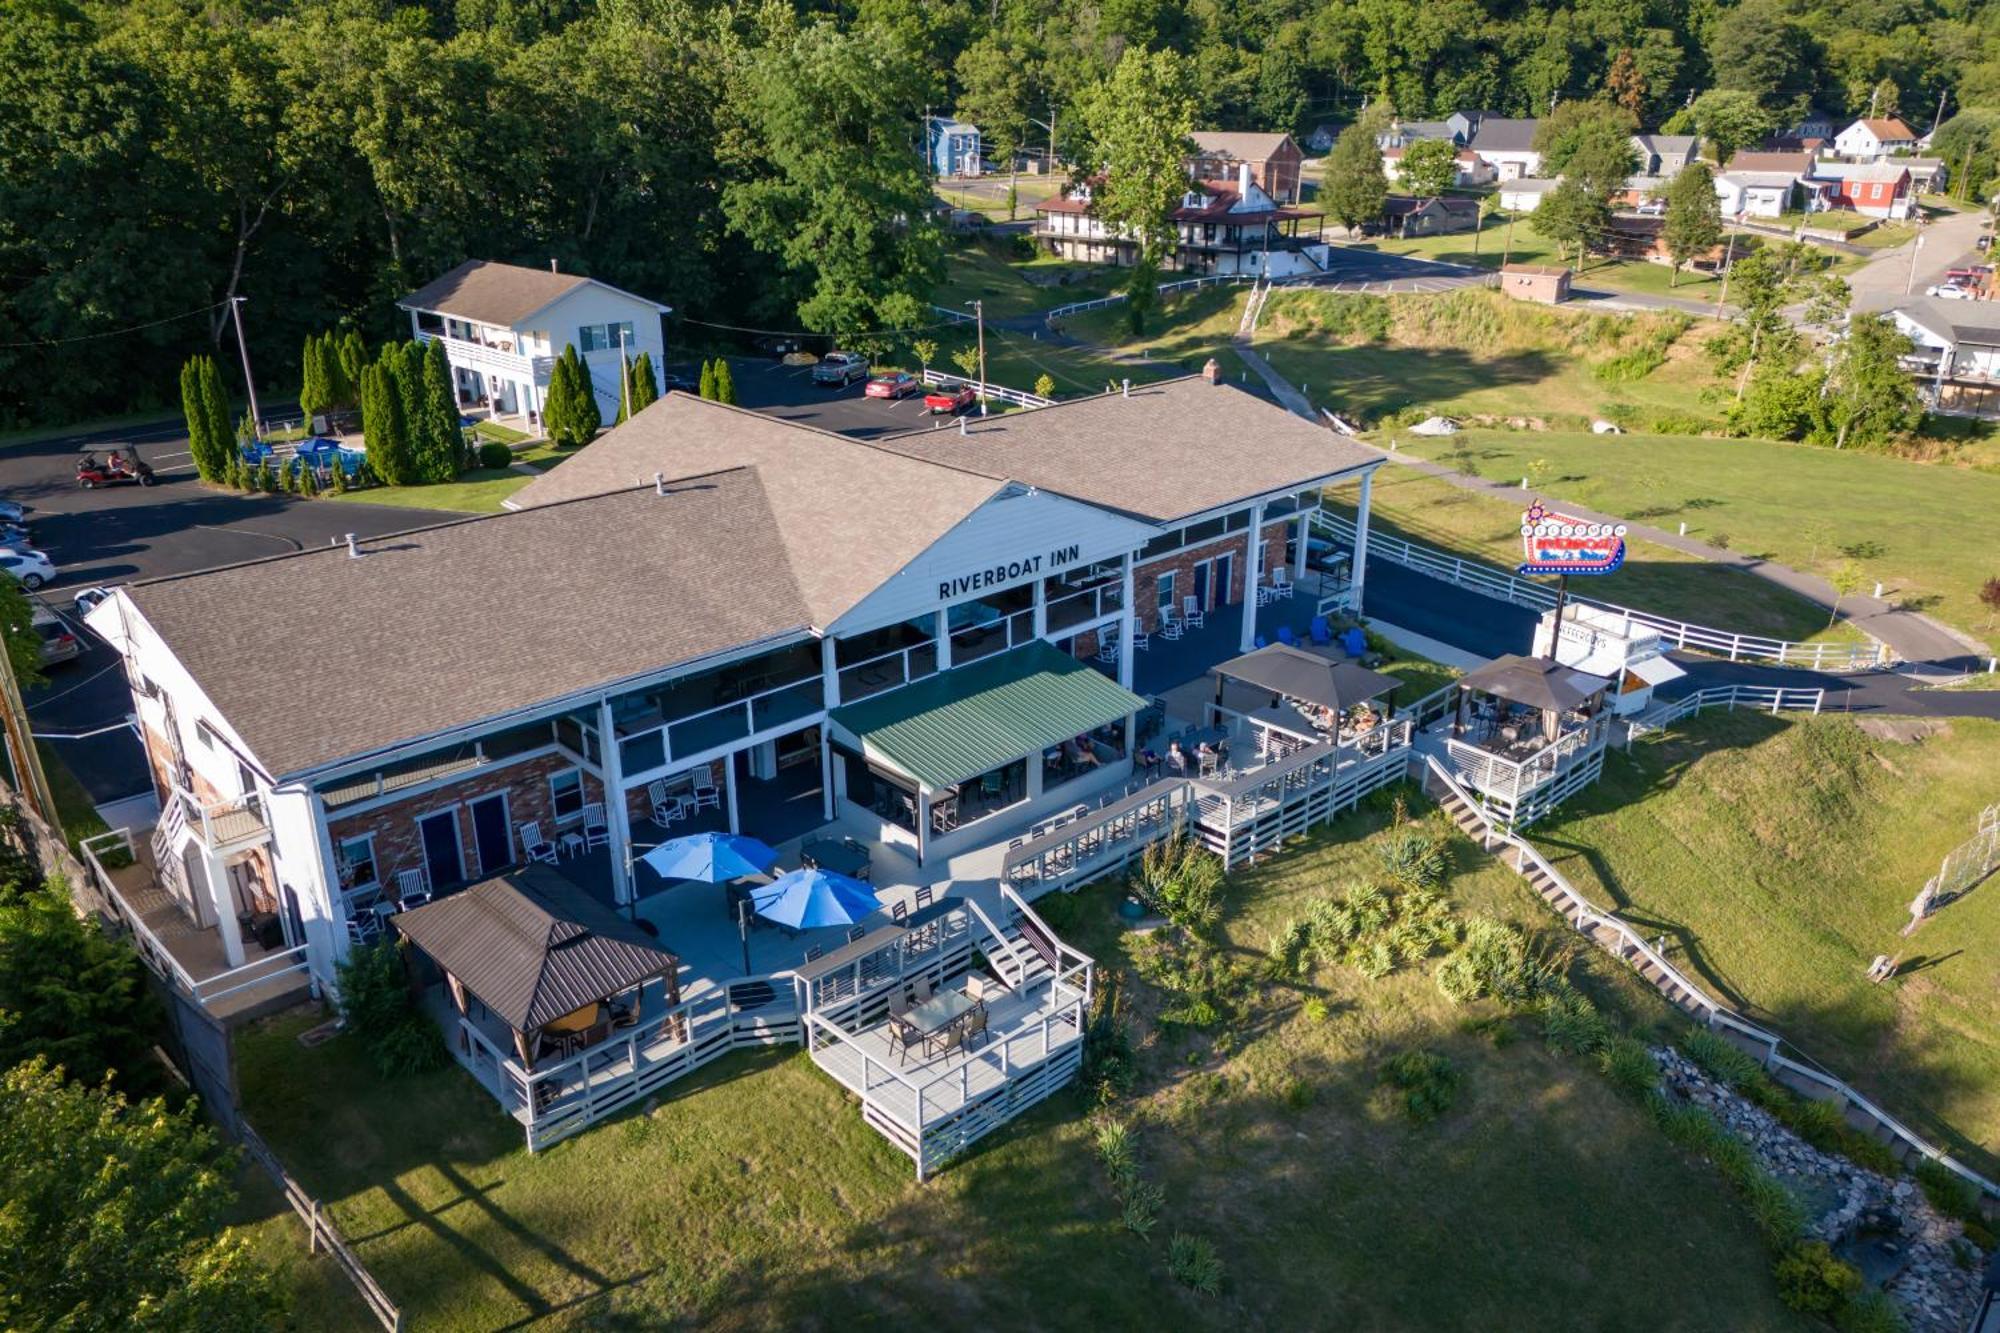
(1286, 637)
(1353, 641)
(1322, 633)
(1261, 642)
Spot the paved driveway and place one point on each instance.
(1880, 283)
(127, 533)
(788, 393)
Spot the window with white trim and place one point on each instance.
(603, 337)
(566, 794)
(355, 861)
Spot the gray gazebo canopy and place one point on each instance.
(533, 947)
(1536, 682)
(1298, 674)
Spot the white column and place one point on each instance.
(829, 667)
(1361, 536)
(942, 637)
(729, 789)
(826, 797)
(618, 815)
(1252, 574)
(829, 671)
(923, 823)
(1299, 551)
(1041, 608)
(1126, 625)
(226, 924)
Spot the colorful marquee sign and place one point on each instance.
(1555, 543)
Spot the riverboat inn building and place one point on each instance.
(714, 619)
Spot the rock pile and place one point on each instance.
(1935, 1279)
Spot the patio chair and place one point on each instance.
(1321, 631)
(596, 830)
(973, 1028)
(1107, 647)
(923, 895)
(899, 911)
(413, 887)
(707, 796)
(855, 932)
(1287, 637)
(1169, 627)
(1141, 641)
(533, 845)
(1260, 641)
(814, 953)
(364, 929)
(666, 807)
(901, 1034)
(1191, 612)
(1281, 582)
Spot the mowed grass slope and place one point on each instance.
(1779, 858)
(1925, 531)
(1431, 511)
(752, 1196)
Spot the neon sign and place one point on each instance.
(1555, 543)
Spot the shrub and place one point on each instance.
(492, 453)
(1287, 953)
(1194, 1263)
(1182, 881)
(1315, 1010)
(1492, 959)
(1296, 1093)
(1109, 1069)
(1812, 1281)
(1870, 1312)
(1141, 1213)
(1721, 1059)
(1114, 1147)
(1426, 1079)
(1949, 1192)
(1866, 1150)
(1412, 858)
(1685, 1125)
(375, 1004)
(1980, 1234)
(1571, 1023)
(1819, 1123)
(1629, 1065)
(1375, 961)
(1628, 366)
(1777, 1214)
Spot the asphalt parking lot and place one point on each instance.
(126, 533)
(788, 393)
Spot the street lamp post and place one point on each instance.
(979, 321)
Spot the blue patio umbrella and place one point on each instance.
(804, 899)
(711, 857)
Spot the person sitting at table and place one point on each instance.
(1364, 719)
(1080, 753)
(1149, 760)
(1323, 718)
(1206, 754)
(1177, 758)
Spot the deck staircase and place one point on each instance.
(168, 868)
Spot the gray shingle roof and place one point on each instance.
(499, 294)
(848, 516)
(1502, 134)
(1243, 146)
(1960, 322)
(1171, 449)
(316, 657)
(534, 947)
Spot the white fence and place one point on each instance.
(1969, 863)
(938, 379)
(1506, 587)
(1763, 698)
(1614, 935)
(1062, 312)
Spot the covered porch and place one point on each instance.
(1524, 734)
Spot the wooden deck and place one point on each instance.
(1025, 1030)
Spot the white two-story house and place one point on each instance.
(504, 325)
(1223, 226)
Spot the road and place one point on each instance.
(127, 533)
(1881, 283)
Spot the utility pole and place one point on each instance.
(1938, 119)
(1872, 99)
(1507, 242)
(1915, 246)
(624, 376)
(249, 380)
(979, 321)
(1728, 254)
(28, 775)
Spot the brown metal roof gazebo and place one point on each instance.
(1539, 683)
(1298, 674)
(538, 952)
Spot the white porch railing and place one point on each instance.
(1081, 608)
(1763, 698)
(1617, 937)
(935, 379)
(738, 719)
(1503, 586)
(492, 360)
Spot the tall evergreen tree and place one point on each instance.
(193, 411)
(570, 415)
(315, 394)
(589, 415)
(725, 383)
(406, 368)
(706, 389)
(1356, 185)
(382, 416)
(339, 390)
(443, 441)
(645, 383)
(217, 437)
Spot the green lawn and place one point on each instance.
(1914, 526)
(752, 1196)
(1476, 355)
(1017, 360)
(1779, 858)
(1012, 288)
(1526, 246)
(74, 807)
(1660, 579)
(990, 199)
(477, 491)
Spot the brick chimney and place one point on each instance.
(1212, 372)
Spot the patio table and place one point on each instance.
(939, 1014)
(837, 856)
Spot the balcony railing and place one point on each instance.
(1079, 608)
(684, 737)
(877, 675)
(492, 358)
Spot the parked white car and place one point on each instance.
(1949, 291)
(86, 601)
(31, 567)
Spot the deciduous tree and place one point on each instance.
(1430, 166)
(1870, 397)
(1571, 215)
(1727, 120)
(1139, 125)
(1356, 185)
(1693, 223)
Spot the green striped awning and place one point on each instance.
(962, 723)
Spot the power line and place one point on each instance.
(116, 333)
(816, 333)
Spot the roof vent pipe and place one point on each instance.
(552, 264)
(961, 425)
(1126, 392)
(659, 483)
(353, 551)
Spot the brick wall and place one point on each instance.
(398, 845)
(1145, 578)
(159, 759)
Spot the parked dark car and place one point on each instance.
(778, 347)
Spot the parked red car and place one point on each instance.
(950, 400)
(896, 384)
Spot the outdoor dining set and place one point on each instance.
(937, 1019)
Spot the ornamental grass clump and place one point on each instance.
(1194, 1263)
(1182, 881)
